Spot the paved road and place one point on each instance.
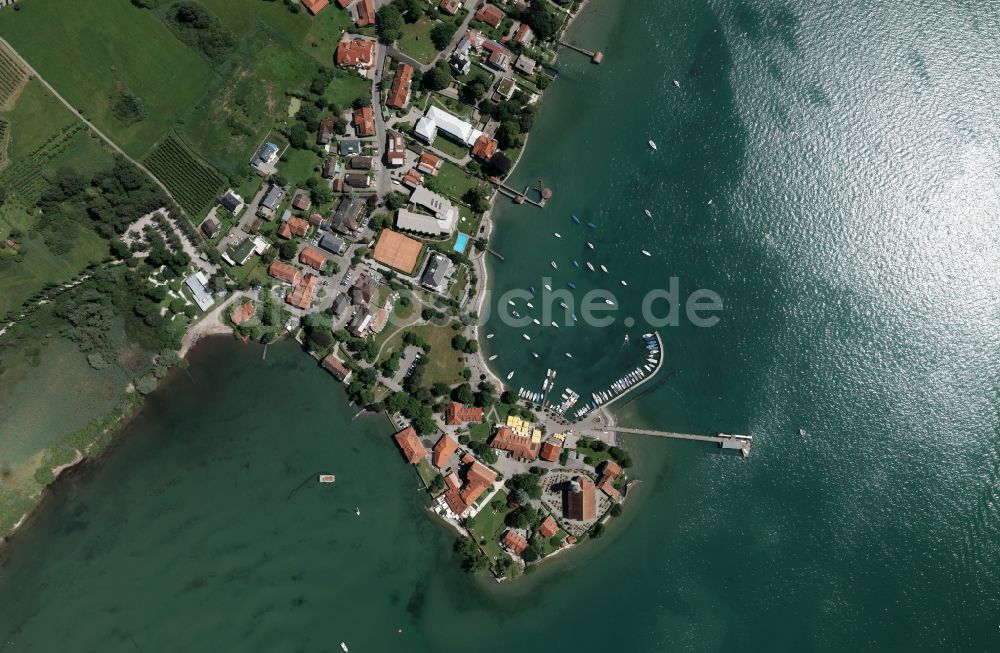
(90, 125)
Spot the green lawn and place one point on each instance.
(458, 287)
(36, 116)
(453, 181)
(450, 148)
(298, 165)
(480, 431)
(489, 527)
(93, 51)
(346, 87)
(416, 40)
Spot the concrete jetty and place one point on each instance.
(742, 443)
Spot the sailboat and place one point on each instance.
(553, 264)
(677, 84)
(343, 647)
(603, 269)
(590, 266)
(574, 219)
(648, 214)
(652, 145)
(490, 335)
(590, 245)
(526, 336)
(510, 376)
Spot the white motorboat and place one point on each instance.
(590, 266)
(493, 357)
(652, 145)
(357, 511)
(609, 302)
(648, 214)
(548, 287)
(590, 245)
(603, 269)
(510, 376)
(553, 264)
(555, 324)
(556, 234)
(490, 335)
(677, 84)
(646, 253)
(343, 647)
(535, 320)
(526, 336)
(569, 355)
(624, 283)
(510, 302)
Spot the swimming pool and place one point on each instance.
(460, 242)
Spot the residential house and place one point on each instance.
(356, 53)
(238, 254)
(197, 283)
(444, 449)
(505, 89)
(358, 180)
(523, 34)
(317, 220)
(359, 325)
(313, 258)
(232, 202)
(298, 226)
(302, 293)
(443, 211)
(580, 499)
(548, 527)
(450, 7)
(484, 148)
(325, 134)
(350, 147)
(514, 542)
(364, 122)
(361, 163)
(456, 414)
(395, 154)
(285, 273)
(459, 60)
(412, 178)
(242, 313)
(284, 231)
(366, 13)
(363, 291)
(301, 201)
(550, 452)
(451, 125)
(498, 56)
(490, 14)
(265, 155)
(347, 218)
(271, 200)
(428, 163)
(330, 168)
(315, 6)
(340, 305)
(332, 244)
(435, 274)
(525, 65)
(211, 227)
(336, 367)
(399, 92)
(478, 478)
(609, 472)
(408, 441)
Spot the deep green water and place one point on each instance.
(852, 156)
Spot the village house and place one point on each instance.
(325, 134)
(363, 291)
(356, 53)
(514, 542)
(262, 159)
(444, 449)
(357, 180)
(346, 219)
(364, 122)
(548, 527)
(484, 148)
(301, 201)
(298, 226)
(361, 163)
(456, 414)
(399, 92)
(242, 313)
(340, 306)
(520, 447)
(284, 231)
(525, 65)
(505, 89)
(315, 6)
(317, 220)
(366, 13)
(443, 214)
(285, 273)
(580, 499)
(302, 293)
(428, 163)
(498, 57)
(359, 325)
(336, 367)
(232, 202)
(609, 472)
(271, 200)
(332, 244)
(313, 258)
(478, 478)
(433, 278)
(395, 149)
(408, 441)
(550, 452)
(523, 34)
(450, 7)
(490, 14)
(211, 227)
(412, 178)
(349, 147)
(330, 169)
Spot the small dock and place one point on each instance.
(742, 443)
(595, 57)
(519, 197)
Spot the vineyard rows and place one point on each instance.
(25, 178)
(11, 75)
(193, 183)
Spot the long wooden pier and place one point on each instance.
(742, 443)
(595, 57)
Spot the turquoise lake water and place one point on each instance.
(851, 154)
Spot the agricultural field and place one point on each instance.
(24, 179)
(193, 183)
(12, 77)
(126, 48)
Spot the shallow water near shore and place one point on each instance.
(852, 157)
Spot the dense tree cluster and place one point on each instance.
(128, 108)
(200, 29)
(543, 22)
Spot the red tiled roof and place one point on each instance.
(312, 257)
(298, 226)
(316, 219)
(605, 486)
(550, 452)
(452, 481)
(428, 163)
(548, 527)
(302, 293)
(611, 469)
(444, 449)
(285, 231)
(336, 367)
(519, 446)
(364, 121)
(410, 444)
(456, 414)
(450, 7)
(242, 313)
(301, 201)
(366, 13)
(315, 6)
(490, 15)
(285, 272)
(412, 178)
(343, 3)
(484, 147)
(399, 93)
(514, 541)
(582, 505)
(356, 52)
(523, 33)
